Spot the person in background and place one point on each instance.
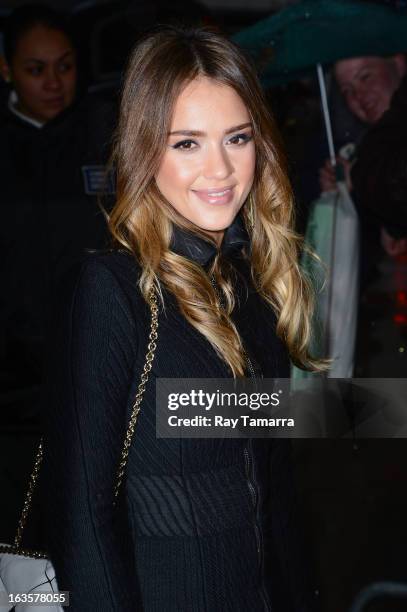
(40, 64)
(379, 176)
(53, 149)
(375, 91)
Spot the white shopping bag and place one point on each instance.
(333, 234)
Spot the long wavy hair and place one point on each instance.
(161, 65)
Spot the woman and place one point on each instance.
(53, 148)
(40, 63)
(203, 215)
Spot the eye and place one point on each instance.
(185, 145)
(65, 67)
(240, 139)
(34, 70)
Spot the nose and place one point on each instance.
(361, 91)
(217, 164)
(52, 79)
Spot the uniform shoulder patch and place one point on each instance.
(97, 180)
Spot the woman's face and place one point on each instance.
(43, 73)
(207, 169)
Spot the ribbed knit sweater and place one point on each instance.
(187, 534)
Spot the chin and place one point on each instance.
(216, 226)
(47, 117)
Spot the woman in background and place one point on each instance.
(40, 63)
(53, 149)
(203, 222)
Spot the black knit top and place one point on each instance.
(202, 524)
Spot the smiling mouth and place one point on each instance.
(215, 191)
(215, 196)
(370, 107)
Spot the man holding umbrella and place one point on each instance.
(295, 40)
(375, 91)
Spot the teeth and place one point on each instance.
(219, 193)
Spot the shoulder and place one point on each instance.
(99, 309)
(391, 127)
(103, 284)
(109, 267)
(398, 107)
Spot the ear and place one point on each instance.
(4, 69)
(400, 63)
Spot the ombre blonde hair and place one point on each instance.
(161, 65)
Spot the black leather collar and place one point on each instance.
(203, 251)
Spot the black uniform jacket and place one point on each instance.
(203, 524)
(49, 178)
(380, 174)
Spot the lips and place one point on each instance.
(215, 196)
(54, 101)
(370, 108)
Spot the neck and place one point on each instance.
(19, 110)
(216, 235)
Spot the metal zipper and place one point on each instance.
(257, 531)
(218, 292)
(251, 482)
(222, 304)
(250, 366)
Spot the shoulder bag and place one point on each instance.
(25, 571)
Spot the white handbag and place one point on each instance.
(23, 572)
(22, 577)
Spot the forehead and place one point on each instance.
(347, 69)
(205, 103)
(42, 42)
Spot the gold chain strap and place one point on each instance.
(152, 344)
(15, 547)
(141, 388)
(28, 497)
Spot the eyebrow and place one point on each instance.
(361, 69)
(41, 61)
(354, 76)
(235, 128)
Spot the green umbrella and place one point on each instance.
(288, 45)
(291, 42)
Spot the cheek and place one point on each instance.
(175, 174)
(385, 88)
(69, 81)
(246, 167)
(29, 89)
(355, 108)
